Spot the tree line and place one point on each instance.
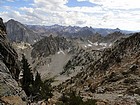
(34, 88)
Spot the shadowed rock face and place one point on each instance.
(50, 45)
(7, 53)
(2, 28)
(18, 32)
(9, 69)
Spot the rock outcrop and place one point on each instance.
(51, 45)
(114, 77)
(80, 60)
(9, 70)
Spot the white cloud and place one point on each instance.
(50, 3)
(7, 7)
(124, 14)
(117, 4)
(27, 9)
(81, 0)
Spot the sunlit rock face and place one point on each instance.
(114, 76)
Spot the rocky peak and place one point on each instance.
(18, 32)
(2, 28)
(50, 45)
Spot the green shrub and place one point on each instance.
(138, 103)
(137, 91)
(90, 102)
(73, 99)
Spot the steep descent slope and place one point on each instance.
(80, 59)
(115, 77)
(10, 92)
(50, 54)
(62, 55)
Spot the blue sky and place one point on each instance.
(123, 14)
(75, 3)
(17, 3)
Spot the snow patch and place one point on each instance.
(85, 46)
(89, 45)
(24, 28)
(96, 44)
(35, 41)
(104, 47)
(90, 42)
(110, 44)
(60, 51)
(103, 44)
(69, 49)
(20, 75)
(22, 47)
(48, 65)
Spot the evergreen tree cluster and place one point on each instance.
(72, 99)
(36, 89)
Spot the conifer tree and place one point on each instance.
(36, 88)
(46, 89)
(27, 80)
(37, 85)
(42, 90)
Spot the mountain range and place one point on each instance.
(100, 64)
(73, 30)
(72, 47)
(18, 32)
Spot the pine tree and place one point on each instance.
(38, 81)
(42, 90)
(36, 88)
(46, 89)
(27, 80)
(37, 85)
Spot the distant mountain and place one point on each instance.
(73, 30)
(18, 32)
(51, 45)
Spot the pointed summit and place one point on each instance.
(11, 20)
(2, 27)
